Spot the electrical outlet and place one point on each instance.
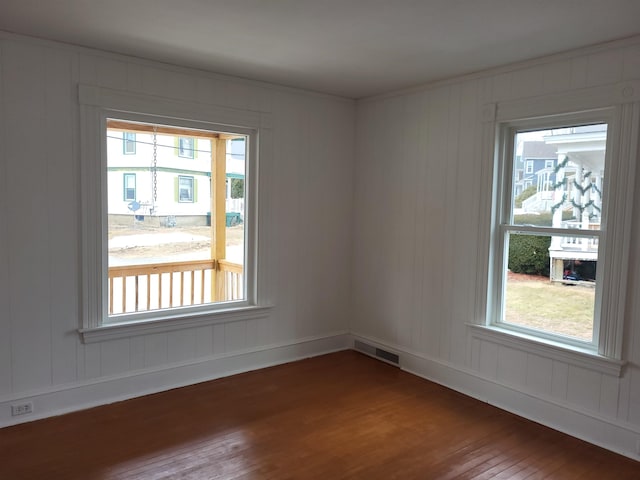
(21, 409)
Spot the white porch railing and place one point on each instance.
(579, 243)
(540, 202)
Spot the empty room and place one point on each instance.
(299, 239)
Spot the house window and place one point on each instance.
(128, 143)
(565, 225)
(529, 167)
(185, 189)
(129, 182)
(556, 270)
(184, 260)
(548, 163)
(186, 267)
(186, 147)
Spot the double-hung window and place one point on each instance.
(128, 143)
(186, 147)
(529, 166)
(129, 180)
(185, 188)
(557, 264)
(548, 252)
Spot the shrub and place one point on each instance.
(529, 254)
(237, 188)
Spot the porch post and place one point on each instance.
(557, 264)
(218, 214)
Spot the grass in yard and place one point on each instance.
(535, 302)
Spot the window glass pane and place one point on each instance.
(558, 177)
(165, 247)
(550, 284)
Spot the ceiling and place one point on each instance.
(352, 48)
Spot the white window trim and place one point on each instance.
(96, 105)
(504, 148)
(622, 105)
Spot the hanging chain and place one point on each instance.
(155, 165)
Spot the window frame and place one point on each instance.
(505, 147)
(528, 169)
(620, 103)
(97, 104)
(125, 176)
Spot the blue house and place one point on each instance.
(535, 167)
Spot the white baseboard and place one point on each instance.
(102, 391)
(606, 433)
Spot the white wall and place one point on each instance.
(308, 238)
(418, 192)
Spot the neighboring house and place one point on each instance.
(535, 167)
(567, 170)
(578, 190)
(168, 179)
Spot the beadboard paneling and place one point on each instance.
(426, 145)
(27, 162)
(5, 255)
(307, 209)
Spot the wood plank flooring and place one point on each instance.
(339, 416)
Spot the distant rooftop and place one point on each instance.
(538, 150)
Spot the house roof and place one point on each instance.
(353, 48)
(535, 149)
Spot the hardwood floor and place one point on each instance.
(337, 416)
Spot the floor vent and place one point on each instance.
(377, 352)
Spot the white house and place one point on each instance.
(165, 179)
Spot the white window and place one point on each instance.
(556, 274)
(186, 147)
(529, 168)
(128, 143)
(556, 244)
(548, 163)
(166, 262)
(129, 181)
(185, 189)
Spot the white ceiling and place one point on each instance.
(353, 48)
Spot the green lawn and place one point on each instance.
(537, 303)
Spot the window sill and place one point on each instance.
(114, 331)
(580, 357)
